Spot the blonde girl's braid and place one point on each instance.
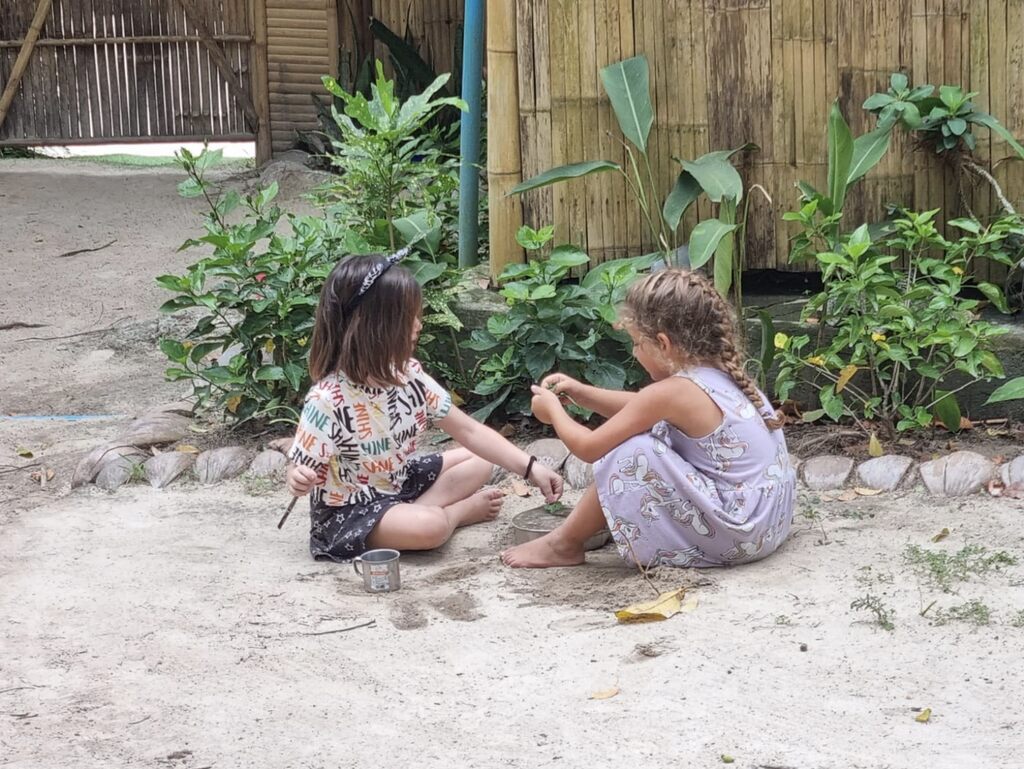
(687, 308)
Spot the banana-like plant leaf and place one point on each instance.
(840, 157)
(947, 410)
(716, 175)
(1008, 391)
(704, 240)
(628, 85)
(683, 195)
(868, 151)
(564, 173)
(990, 122)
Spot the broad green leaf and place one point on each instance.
(606, 374)
(990, 122)
(269, 374)
(534, 240)
(840, 156)
(683, 195)
(483, 414)
(947, 410)
(563, 174)
(421, 227)
(1008, 391)
(725, 250)
(190, 188)
(767, 345)
(868, 151)
(995, 295)
(174, 350)
(569, 257)
(992, 364)
(628, 85)
(716, 175)
(968, 225)
(423, 271)
(542, 292)
(877, 101)
(899, 81)
(704, 240)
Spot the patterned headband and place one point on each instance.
(373, 276)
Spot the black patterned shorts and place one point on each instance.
(339, 533)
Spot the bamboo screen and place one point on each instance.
(727, 72)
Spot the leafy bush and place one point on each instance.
(551, 321)
(907, 332)
(257, 292)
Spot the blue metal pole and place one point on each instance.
(469, 132)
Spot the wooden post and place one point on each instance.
(504, 160)
(21, 63)
(260, 81)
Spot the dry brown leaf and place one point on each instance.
(507, 431)
(966, 424)
(996, 487)
(520, 489)
(865, 492)
(995, 432)
(941, 535)
(605, 694)
(875, 446)
(187, 448)
(847, 496)
(845, 375)
(999, 459)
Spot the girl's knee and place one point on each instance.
(433, 527)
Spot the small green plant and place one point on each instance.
(973, 612)
(883, 615)
(551, 321)
(555, 508)
(783, 619)
(1018, 619)
(943, 570)
(627, 84)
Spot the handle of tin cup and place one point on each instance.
(355, 564)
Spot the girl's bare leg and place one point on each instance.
(564, 545)
(456, 499)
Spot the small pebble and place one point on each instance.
(803, 647)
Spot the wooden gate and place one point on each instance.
(105, 71)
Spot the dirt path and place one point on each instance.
(180, 629)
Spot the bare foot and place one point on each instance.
(482, 506)
(544, 552)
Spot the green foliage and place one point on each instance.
(627, 84)
(551, 322)
(944, 122)
(882, 614)
(943, 570)
(905, 332)
(256, 293)
(973, 612)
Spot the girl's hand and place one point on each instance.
(545, 404)
(548, 481)
(300, 480)
(562, 385)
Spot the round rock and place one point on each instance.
(827, 472)
(118, 470)
(268, 464)
(156, 427)
(1013, 472)
(959, 474)
(884, 473)
(550, 451)
(221, 464)
(163, 469)
(91, 464)
(578, 473)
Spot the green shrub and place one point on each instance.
(552, 323)
(899, 335)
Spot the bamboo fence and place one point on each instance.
(727, 72)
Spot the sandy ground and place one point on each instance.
(182, 629)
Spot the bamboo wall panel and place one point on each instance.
(302, 47)
(727, 72)
(122, 70)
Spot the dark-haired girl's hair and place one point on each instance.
(369, 339)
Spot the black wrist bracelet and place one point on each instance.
(529, 467)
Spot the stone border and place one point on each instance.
(114, 464)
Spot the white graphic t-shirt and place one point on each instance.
(359, 439)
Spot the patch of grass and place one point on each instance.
(943, 570)
(813, 517)
(868, 577)
(262, 487)
(973, 612)
(1018, 619)
(138, 473)
(883, 615)
(783, 619)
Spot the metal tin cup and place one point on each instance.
(380, 570)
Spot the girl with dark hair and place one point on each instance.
(354, 449)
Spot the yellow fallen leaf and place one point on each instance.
(664, 606)
(26, 453)
(233, 403)
(457, 400)
(605, 694)
(186, 448)
(875, 446)
(867, 492)
(845, 375)
(941, 535)
(924, 716)
(727, 759)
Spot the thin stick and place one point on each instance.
(20, 324)
(87, 250)
(641, 569)
(71, 336)
(371, 623)
(287, 512)
(16, 468)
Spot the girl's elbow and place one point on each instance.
(589, 454)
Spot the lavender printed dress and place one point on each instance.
(724, 499)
